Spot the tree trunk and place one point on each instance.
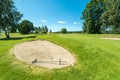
(7, 34)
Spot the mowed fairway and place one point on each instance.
(96, 59)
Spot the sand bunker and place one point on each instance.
(111, 38)
(44, 54)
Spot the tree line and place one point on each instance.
(102, 16)
(42, 29)
(26, 27)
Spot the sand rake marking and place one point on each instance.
(59, 62)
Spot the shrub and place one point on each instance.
(63, 30)
(43, 32)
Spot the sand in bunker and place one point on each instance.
(48, 55)
(111, 38)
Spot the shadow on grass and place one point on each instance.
(17, 38)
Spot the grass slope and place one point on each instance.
(96, 59)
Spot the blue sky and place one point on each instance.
(55, 14)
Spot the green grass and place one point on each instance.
(96, 59)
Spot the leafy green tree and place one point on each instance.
(50, 31)
(102, 16)
(9, 16)
(0, 31)
(63, 30)
(111, 17)
(26, 27)
(91, 16)
(14, 29)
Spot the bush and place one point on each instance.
(43, 32)
(36, 31)
(63, 30)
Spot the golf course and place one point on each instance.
(96, 58)
(59, 39)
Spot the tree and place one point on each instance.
(63, 30)
(0, 31)
(110, 19)
(26, 27)
(102, 16)
(14, 29)
(44, 29)
(39, 29)
(36, 29)
(91, 16)
(9, 16)
(50, 31)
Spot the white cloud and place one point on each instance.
(43, 21)
(61, 22)
(75, 23)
